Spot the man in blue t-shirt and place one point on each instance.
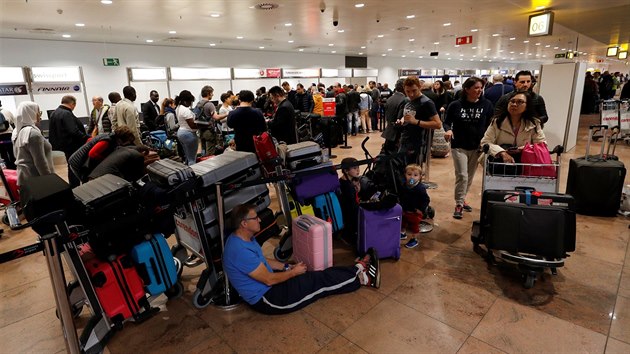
(272, 287)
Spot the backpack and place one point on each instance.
(4, 123)
(200, 113)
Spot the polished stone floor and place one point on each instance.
(440, 297)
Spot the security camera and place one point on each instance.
(335, 17)
(322, 7)
(378, 20)
(335, 23)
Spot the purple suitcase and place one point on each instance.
(309, 186)
(380, 229)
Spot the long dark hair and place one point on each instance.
(529, 115)
(468, 84)
(185, 98)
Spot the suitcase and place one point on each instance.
(169, 173)
(155, 264)
(531, 229)
(257, 195)
(304, 209)
(545, 201)
(595, 182)
(380, 229)
(117, 285)
(268, 226)
(266, 151)
(302, 155)
(9, 180)
(311, 185)
(41, 195)
(312, 242)
(327, 208)
(229, 167)
(103, 196)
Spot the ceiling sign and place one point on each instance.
(273, 73)
(56, 74)
(364, 72)
(409, 72)
(463, 40)
(540, 24)
(11, 75)
(148, 74)
(330, 72)
(65, 87)
(296, 73)
(201, 73)
(13, 90)
(248, 73)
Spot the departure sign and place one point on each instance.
(463, 40)
(540, 24)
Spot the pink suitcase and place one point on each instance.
(312, 242)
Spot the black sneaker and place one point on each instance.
(467, 207)
(373, 269)
(459, 212)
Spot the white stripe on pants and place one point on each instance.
(465, 163)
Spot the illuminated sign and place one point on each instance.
(622, 55)
(540, 24)
(612, 51)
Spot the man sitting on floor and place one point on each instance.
(272, 287)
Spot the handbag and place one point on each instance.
(537, 154)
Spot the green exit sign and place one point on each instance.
(111, 61)
(561, 55)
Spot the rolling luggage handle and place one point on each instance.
(591, 131)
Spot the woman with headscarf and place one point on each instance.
(33, 152)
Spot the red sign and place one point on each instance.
(329, 107)
(463, 40)
(272, 73)
(600, 60)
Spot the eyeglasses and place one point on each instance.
(517, 102)
(252, 218)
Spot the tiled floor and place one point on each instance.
(440, 297)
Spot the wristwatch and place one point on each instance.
(287, 266)
(418, 124)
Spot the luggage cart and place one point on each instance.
(624, 121)
(509, 177)
(609, 114)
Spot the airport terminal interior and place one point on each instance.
(440, 297)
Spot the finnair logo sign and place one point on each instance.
(70, 87)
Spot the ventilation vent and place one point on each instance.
(403, 28)
(42, 30)
(266, 6)
(173, 39)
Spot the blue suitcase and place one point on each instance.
(155, 264)
(327, 208)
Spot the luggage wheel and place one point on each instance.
(554, 270)
(282, 256)
(179, 266)
(200, 301)
(193, 261)
(530, 279)
(175, 291)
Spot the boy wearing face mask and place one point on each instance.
(349, 198)
(415, 204)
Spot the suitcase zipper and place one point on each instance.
(161, 263)
(123, 286)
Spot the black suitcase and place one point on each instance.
(103, 196)
(44, 194)
(596, 182)
(537, 201)
(531, 229)
(168, 173)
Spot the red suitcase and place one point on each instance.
(266, 151)
(117, 284)
(12, 194)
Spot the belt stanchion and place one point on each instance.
(427, 162)
(228, 303)
(329, 139)
(345, 135)
(57, 279)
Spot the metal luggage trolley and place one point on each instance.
(609, 115)
(624, 120)
(509, 177)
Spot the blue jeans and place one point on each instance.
(190, 144)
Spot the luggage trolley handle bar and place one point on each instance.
(591, 131)
(53, 218)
